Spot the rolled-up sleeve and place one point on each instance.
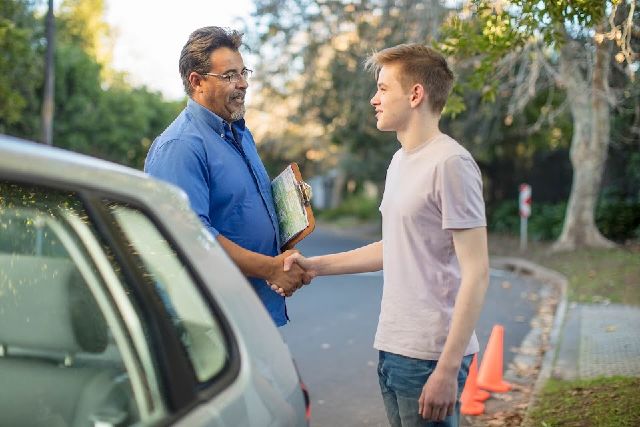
(184, 164)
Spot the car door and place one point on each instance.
(101, 321)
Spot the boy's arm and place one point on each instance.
(439, 394)
(361, 260)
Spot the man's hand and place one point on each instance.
(438, 398)
(294, 260)
(286, 281)
(305, 263)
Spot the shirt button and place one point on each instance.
(222, 135)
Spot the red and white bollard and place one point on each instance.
(525, 213)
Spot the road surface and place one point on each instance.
(333, 322)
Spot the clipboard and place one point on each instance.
(292, 199)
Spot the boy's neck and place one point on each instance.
(421, 129)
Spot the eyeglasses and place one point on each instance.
(233, 77)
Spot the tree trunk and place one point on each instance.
(590, 110)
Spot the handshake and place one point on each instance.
(291, 271)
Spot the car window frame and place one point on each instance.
(225, 328)
(93, 200)
(87, 254)
(120, 310)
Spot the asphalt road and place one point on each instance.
(333, 322)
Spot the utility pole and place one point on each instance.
(49, 79)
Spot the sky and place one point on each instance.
(149, 35)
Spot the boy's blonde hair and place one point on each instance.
(419, 65)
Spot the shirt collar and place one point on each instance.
(212, 119)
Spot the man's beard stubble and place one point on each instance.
(240, 112)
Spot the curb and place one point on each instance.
(560, 282)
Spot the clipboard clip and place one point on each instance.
(304, 192)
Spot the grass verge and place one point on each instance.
(595, 275)
(602, 402)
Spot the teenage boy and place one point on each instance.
(433, 247)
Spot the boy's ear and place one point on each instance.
(417, 95)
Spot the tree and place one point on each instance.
(20, 68)
(95, 113)
(84, 25)
(573, 42)
(311, 55)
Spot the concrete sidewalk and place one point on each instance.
(598, 340)
(586, 340)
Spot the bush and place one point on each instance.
(545, 222)
(616, 219)
(504, 218)
(357, 206)
(619, 219)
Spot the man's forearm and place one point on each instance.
(361, 260)
(251, 264)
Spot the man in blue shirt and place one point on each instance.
(209, 153)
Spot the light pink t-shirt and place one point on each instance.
(429, 190)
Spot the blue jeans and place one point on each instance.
(401, 380)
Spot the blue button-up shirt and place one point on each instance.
(218, 166)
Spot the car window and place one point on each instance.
(199, 332)
(61, 362)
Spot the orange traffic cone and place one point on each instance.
(479, 394)
(470, 405)
(490, 373)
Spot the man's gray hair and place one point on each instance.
(195, 55)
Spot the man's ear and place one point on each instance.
(196, 80)
(417, 95)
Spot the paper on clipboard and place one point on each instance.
(292, 200)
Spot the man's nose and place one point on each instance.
(242, 83)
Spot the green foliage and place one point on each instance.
(81, 23)
(616, 218)
(545, 222)
(619, 219)
(325, 71)
(114, 122)
(498, 42)
(504, 218)
(132, 118)
(633, 170)
(21, 65)
(497, 31)
(487, 38)
(355, 206)
(77, 97)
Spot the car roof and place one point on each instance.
(41, 163)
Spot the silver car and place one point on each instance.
(118, 308)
